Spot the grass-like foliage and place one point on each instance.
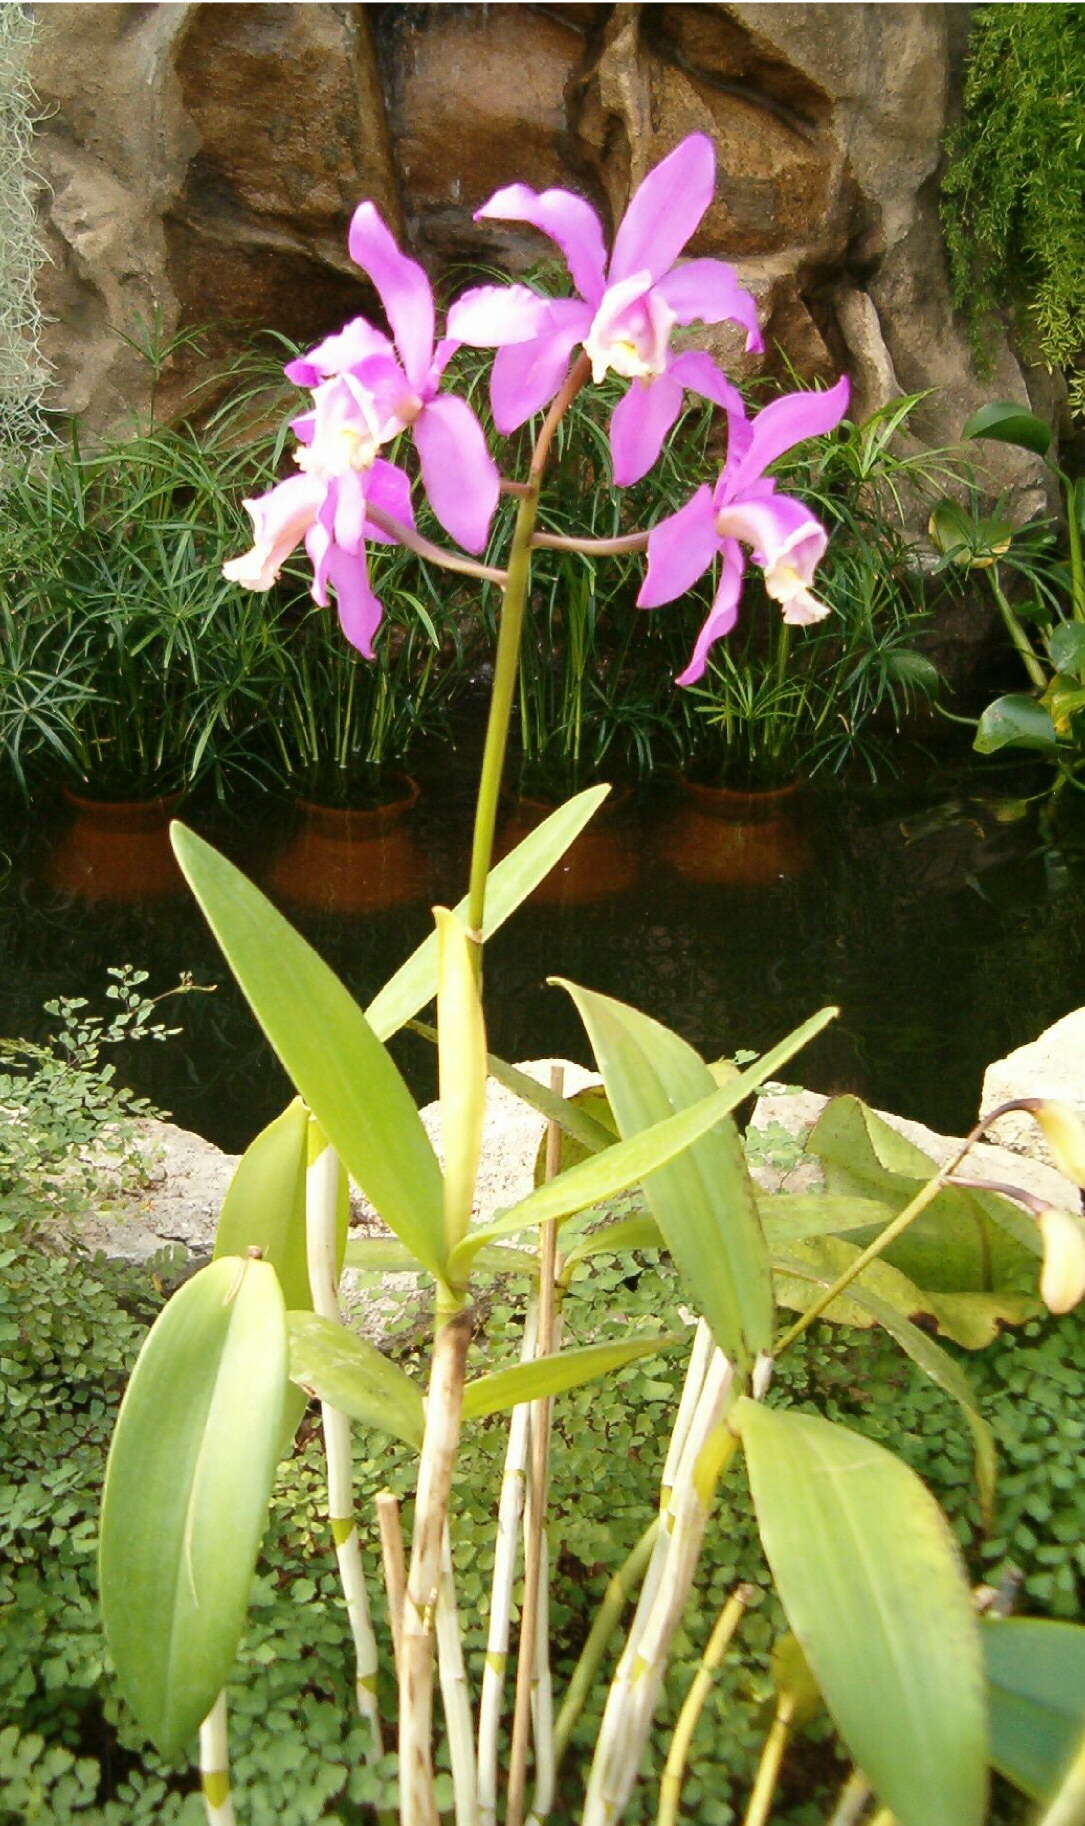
(1014, 190)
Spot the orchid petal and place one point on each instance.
(773, 527)
(359, 609)
(640, 422)
(665, 209)
(786, 422)
(458, 473)
(526, 375)
(355, 342)
(679, 549)
(348, 525)
(567, 219)
(698, 372)
(403, 287)
(708, 291)
(280, 520)
(389, 488)
(802, 610)
(722, 616)
(490, 316)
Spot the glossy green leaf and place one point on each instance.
(568, 1369)
(703, 1200)
(1036, 1682)
(336, 1062)
(186, 1493)
(336, 1366)
(627, 1234)
(873, 1587)
(627, 1162)
(1015, 721)
(1010, 423)
(789, 1217)
(1066, 645)
(264, 1207)
(461, 1069)
(508, 884)
(383, 1255)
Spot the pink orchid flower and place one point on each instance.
(366, 390)
(785, 539)
(624, 313)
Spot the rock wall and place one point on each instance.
(199, 164)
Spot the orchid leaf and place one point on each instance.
(508, 884)
(702, 1199)
(593, 1104)
(383, 1255)
(337, 1063)
(337, 1367)
(568, 1369)
(264, 1207)
(873, 1587)
(627, 1162)
(1015, 721)
(573, 1115)
(1007, 422)
(461, 1064)
(628, 1233)
(186, 1493)
(788, 1217)
(1036, 1684)
(971, 1320)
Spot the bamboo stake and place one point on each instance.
(440, 1439)
(505, 1558)
(635, 1687)
(768, 1770)
(395, 1566)
(215, 1766)
(851, 1800)
(455, 1696)
(670, 1787)
(321, 1204)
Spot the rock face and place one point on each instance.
(199, 163)
(1052, 1066)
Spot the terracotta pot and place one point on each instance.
(346, 860)
(721, 835)
(117, 850)
(604, 860)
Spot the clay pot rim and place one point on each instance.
(741, 798)
(403, 800)
(87, 802)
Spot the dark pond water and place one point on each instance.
(946, 935)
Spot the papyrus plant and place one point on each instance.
(866, 1568)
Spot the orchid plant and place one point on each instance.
(884, 1623)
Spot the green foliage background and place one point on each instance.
(1014, 191)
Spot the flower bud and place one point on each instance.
(1064, 1135)
(1062, 1280)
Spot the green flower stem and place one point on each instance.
(670, 1787)
(321, 1205)
(1075, 510)
(768, 1770)
(507, 658)
(215, 1766)
(1016, 632)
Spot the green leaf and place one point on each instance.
(1036, 1683)
(1015, 721)
(792, 1217)
(507, 885)
(617, 1168)
(572, 1114)
(186, 1493)
(703, 1200)
(593, 1105)
(1007, 422)
(628, 1233)
(568, 1369)
(383, 1255)
(972, 1320)
(264, 1207)
(336, 1062)
(337, 1367)
(873, 1587)
(1066, 645)
(461, 1066)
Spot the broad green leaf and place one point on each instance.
(873, 1587)
(461, 1067)
(337, 1064)
(567, 1369)
(626, 1163)
(1062, 700)
(965, 1242)
(186, 1493)
(340, 1368)
(966, 539)
(789, 1217)
(703, 1200)
(864, 1297)
(629, 1233)
(793, 1679)
(572, 1114)
(1036, 1683)
(971, 1320)
(593, 1104)
(383, 1255)
(264, 1207)
(1066, 645)
(1007, 422)
(507, 885)
(1015, 721)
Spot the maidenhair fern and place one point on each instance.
(1014, 192)
(23, 371)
